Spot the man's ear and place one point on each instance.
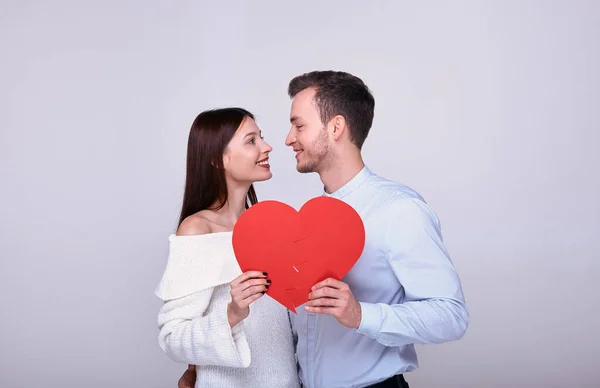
(338, 126)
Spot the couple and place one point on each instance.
(358, 332)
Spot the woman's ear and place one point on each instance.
(225, 162)
(226, 159)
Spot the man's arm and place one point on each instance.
(188, 378)
(433, 310)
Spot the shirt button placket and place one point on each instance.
(311, 339)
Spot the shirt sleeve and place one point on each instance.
(433, 309)
(191, 335)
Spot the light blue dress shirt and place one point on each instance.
(406, 284)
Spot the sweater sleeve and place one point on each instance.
(195, 331)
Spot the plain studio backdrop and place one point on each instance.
(490, 109)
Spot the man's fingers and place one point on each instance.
(325, 292)
(324, 302)
(330, 282)
(321, 310)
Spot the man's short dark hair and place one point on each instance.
(339, 93)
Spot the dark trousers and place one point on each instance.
(393, 382)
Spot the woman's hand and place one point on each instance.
(245, 289)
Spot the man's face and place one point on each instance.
(308, 136)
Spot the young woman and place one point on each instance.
(214, 317)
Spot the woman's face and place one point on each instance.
(246, 157)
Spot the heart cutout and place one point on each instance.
(298, 248)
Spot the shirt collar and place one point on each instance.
(351, 185)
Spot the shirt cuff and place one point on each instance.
(371, 320)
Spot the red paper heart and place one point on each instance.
(298, 248)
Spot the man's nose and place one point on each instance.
(290, 139)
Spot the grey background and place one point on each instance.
(489, 109)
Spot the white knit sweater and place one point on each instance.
(257, 352)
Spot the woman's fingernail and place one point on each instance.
(264, 273)
(268, 282)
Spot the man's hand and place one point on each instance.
(188, 378)
(334, 297)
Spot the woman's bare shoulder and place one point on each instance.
(195, 224)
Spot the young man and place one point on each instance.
(404, 289)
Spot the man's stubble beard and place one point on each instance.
(321, 149)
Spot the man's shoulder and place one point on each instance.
(397, 198)
(394, 192)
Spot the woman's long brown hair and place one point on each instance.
(205, 183)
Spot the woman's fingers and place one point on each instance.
(248, 287)
(253, 290)
(241, 293)
(252, 298)
(248, 275)
(253, 282)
